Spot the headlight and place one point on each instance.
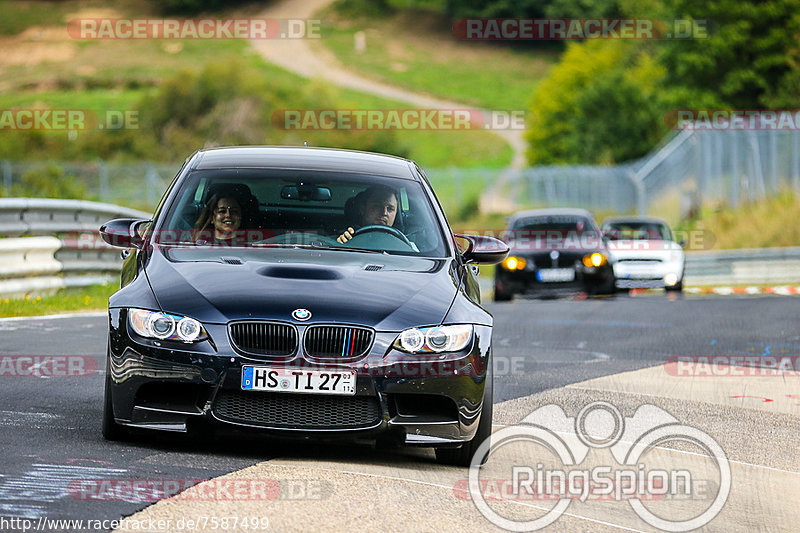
(162, 326)
(437, 339)
(514, 263)
(594, 260)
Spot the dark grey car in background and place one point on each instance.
(553, 251)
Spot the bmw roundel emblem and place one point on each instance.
(554, 255)
(301, 314)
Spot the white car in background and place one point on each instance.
(645, 253)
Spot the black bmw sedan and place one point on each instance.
(301, 292)
(554, 251)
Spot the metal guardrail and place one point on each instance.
(46, 216)
(68, 252)
(64, 250)
(738, 267)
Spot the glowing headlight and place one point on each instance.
(671, 279)
(434, 340)
(594, 260)
(162, 326)
(514, 263)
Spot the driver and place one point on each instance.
(375, 206)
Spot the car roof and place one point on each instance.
(304, 158)
(559, 211)
(634, 219)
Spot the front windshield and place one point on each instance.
(564, 225)
(646, 231)
(266, 208)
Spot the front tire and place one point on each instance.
(463, 456)
(111, 430)
(502, 296)
(678, 287)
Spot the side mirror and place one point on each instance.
(483, 250)
(123, 232)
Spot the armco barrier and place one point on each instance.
(48, 261)
(741, 267)
(45, 262)
(50, 216)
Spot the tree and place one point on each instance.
(750, 59)
(600, 104)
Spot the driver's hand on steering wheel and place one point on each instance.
(346, 236)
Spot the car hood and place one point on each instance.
(387, 292)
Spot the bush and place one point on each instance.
(194, 7)
(232, 104)
(48, 182)
(599, 105)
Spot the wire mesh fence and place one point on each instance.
(688, 171)
(137, 185)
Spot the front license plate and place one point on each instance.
(265, 378)
(548, 275)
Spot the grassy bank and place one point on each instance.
(79, 300)
(771, 222)
(417, 50)
(49, 70)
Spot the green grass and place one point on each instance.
(114, 75)
(430, 149)
(84, 299)
(19, 15)
(417, 50)
(771, 222)
(95, 100)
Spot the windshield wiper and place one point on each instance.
(319, 246)
(176, 243)
(277, 245)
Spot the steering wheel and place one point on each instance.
(394, 232)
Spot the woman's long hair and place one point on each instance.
(204, 227)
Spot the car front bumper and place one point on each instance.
(421, 401)
(525, 282)
(634, 274)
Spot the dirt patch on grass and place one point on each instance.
(36, 45)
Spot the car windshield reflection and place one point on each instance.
(265, 208)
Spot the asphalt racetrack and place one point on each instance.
(560, 354)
